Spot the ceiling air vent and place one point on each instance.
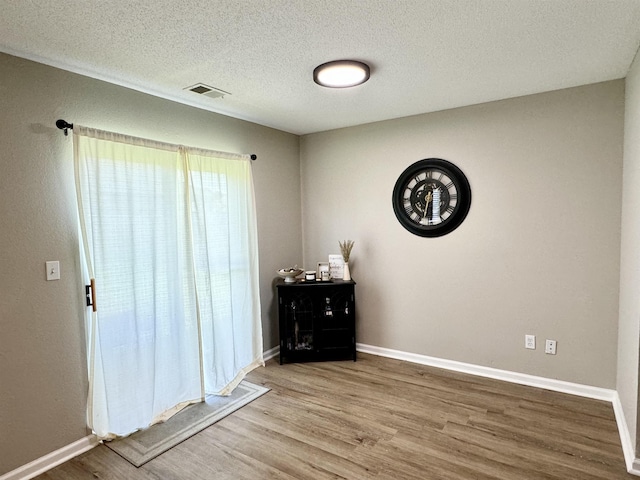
(207, 91)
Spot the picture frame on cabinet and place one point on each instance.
(323, 268)
(336, 266)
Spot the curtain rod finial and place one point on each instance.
(253, 156)
(64, 125)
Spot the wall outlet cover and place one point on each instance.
(550, 347)
(530, 342)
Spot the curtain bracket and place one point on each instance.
(90, 294)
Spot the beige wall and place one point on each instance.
(629, 323)
(42, 356)
(537, 254)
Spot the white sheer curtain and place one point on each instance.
(225, 255)
(169, 234)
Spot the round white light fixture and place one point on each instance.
(341, 74)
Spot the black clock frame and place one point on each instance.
(418, 204)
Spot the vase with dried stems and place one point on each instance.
(345, 249)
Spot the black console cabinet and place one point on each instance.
(317, 320)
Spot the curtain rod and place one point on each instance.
(65, 126)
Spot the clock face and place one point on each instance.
(431, 198)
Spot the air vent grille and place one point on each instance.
(207, 90)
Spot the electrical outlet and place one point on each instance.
(550, 347)
(530, 342)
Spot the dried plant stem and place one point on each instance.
(345, 249)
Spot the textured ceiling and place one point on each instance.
(425, 55)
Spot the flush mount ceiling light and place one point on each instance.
(341, 74)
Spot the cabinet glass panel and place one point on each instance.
(335, 311)
(298, 312)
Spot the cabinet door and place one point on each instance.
(336, 319)
(297, 321)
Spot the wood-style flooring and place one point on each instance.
(385, 419)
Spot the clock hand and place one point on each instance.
(427, 201)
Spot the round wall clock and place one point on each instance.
(431, 197)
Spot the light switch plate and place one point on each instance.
(53, 270)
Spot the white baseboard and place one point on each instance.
(506, 375)
(268, 355)
(53, 459)
(632, 463)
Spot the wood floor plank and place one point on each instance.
(100, 462)
(385, 419)
(533, 455)
(302, 459)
